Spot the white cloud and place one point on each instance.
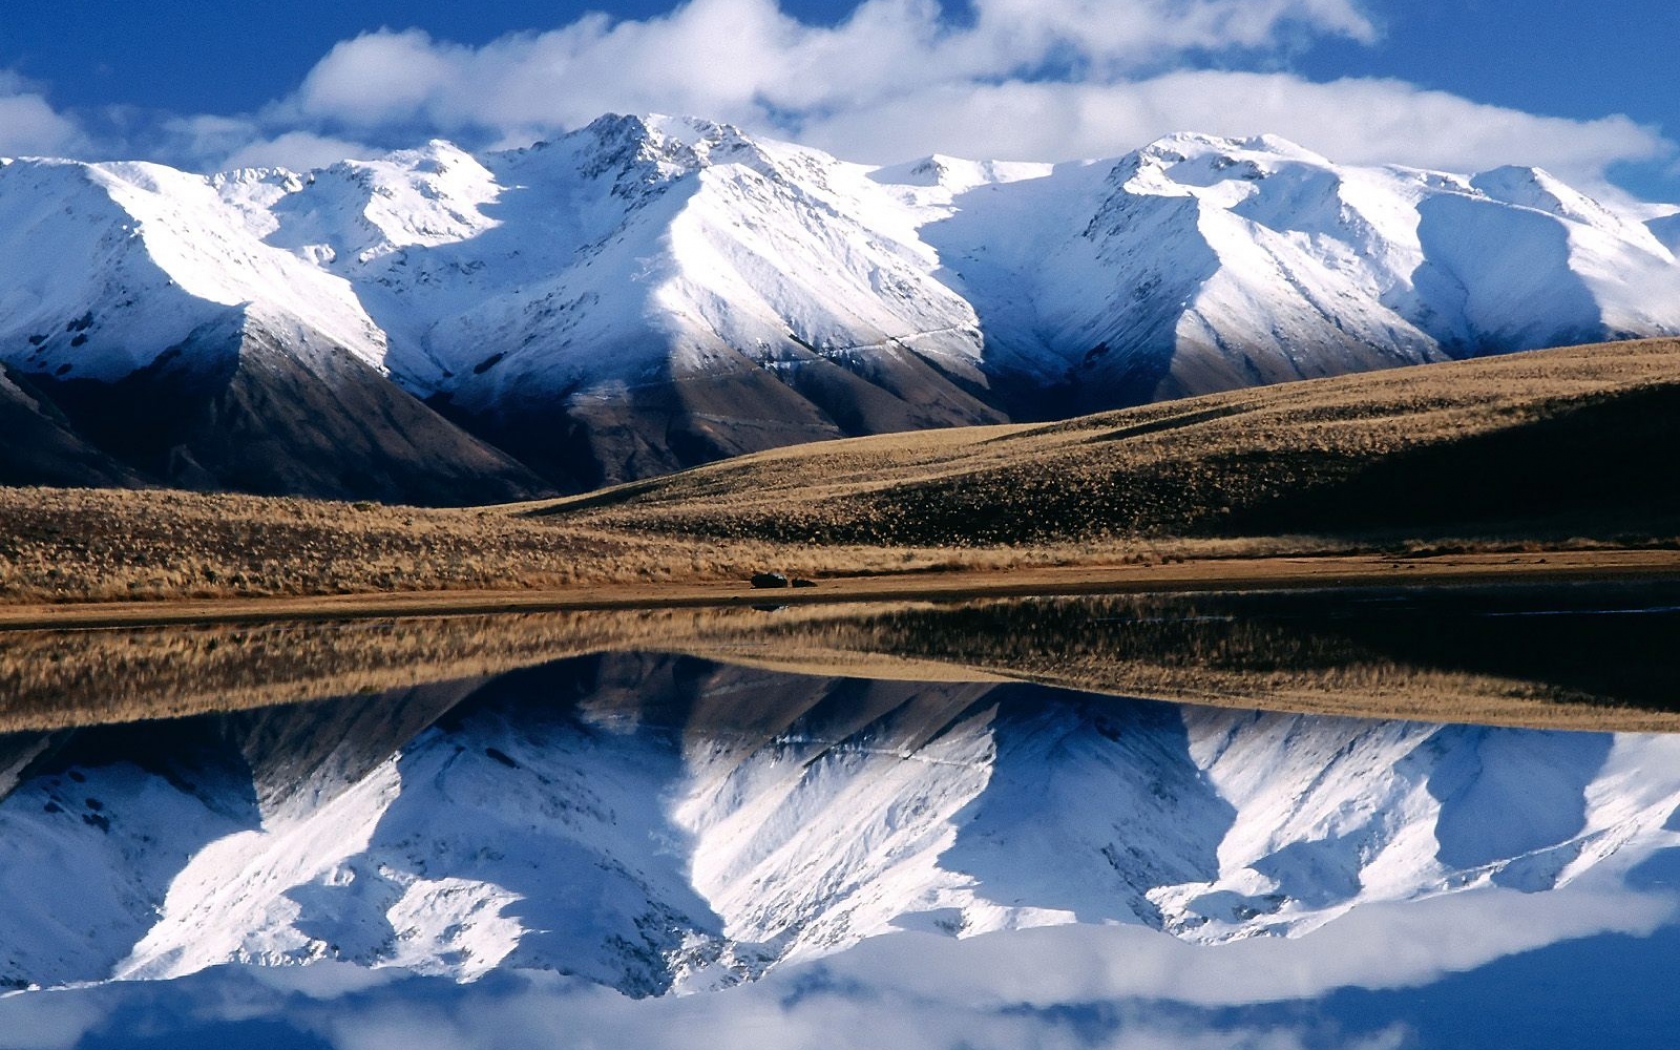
(1031, 79)
(1354, 121)
(30, 126)
(744, 60)
(298, 150)
(380, 76)
(1073, 987)
(219, 143)
(1019, 79)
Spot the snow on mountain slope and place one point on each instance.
(115, 263)
(699, 242)
(158, 328)
(1199, 263)
(648, 293)
(656, 824)
(639, 271)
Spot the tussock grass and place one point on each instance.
(1542, 445)
(1530, 451)
(60, 545)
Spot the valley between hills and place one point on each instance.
(1546, 464)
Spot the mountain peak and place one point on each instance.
(935, 169)
(631, 145)
(695, 132)
(529, 289)
(954, 175)
(1186, 146)
(1537, 188)
(436, 156)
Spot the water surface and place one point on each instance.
(871, 827)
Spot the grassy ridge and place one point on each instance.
(1572, 442)
(1572, 445)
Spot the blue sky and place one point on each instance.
(1447, 83)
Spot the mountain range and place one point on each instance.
(647, 294)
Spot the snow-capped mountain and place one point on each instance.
(146, 314)
(659, 824)
(648, 293)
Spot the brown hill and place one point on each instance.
(1579, 441)
(1542, 449)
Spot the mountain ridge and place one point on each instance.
(651, 293)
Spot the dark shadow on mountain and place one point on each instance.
(595, 892)
(21, 754)
(305, 755)
(107, 818)
(238, 407)
(675, 419)
(39, 444)
(1033, 376)
(1514, 797)
(1092, 803)
(190, 754)
(1562, 314)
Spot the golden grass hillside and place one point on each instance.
(1438, 658)
(1552, 448)
(1570, 442)
(79, 545)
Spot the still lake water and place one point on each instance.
(918, 826)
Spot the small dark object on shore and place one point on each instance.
(769, 579)
(804, 583)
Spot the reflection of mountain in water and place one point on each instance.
(1554, 656)
(652, 822)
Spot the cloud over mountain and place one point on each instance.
(899, 78)
(29, 124)
(893, 79)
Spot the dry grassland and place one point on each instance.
(1552, 450)
(1544, 445)
(81, 545)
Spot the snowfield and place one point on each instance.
(636, 252)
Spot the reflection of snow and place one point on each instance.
(656, 825)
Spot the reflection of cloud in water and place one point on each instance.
(1456, 959)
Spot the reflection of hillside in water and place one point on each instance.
(659, 822)
(1599, 656)
(51, 679)
(1585, 656)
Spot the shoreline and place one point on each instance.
(1318, 572)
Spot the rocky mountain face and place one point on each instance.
(658, 824)
(650, 293)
